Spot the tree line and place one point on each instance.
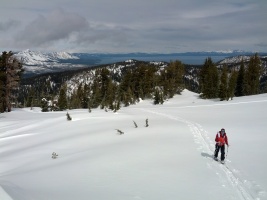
(227, 83)
(10, 74)
(110, 91)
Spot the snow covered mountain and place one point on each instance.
(36, 62)
(235, 59)
(38, 58)
(236, 62)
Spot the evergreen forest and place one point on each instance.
(110, 87)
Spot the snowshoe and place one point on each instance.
(215, 158)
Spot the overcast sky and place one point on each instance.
(112, 26)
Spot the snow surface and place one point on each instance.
(170, 159)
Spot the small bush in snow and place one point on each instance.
(119, 132)
(135, 124)
(54, 155)
(147, 123)
(68, 116)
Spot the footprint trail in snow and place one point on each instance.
(245, 190)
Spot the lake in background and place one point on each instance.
(191, 60)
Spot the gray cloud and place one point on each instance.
(127, 26)
(53, 27)
(9, 24)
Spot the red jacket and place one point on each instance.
(221, 139)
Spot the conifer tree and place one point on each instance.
(2, 88)
(209, 79)
(223, 93)
(80, 95)
(232, 84)
(264, 90)
(10, 73)
(172, 79)
(44, 105)
(128, 96)
(62, 100)
(96, 96)
(111, 95)
(117, 105)
(156, 97)
(30, 98)
(85, 96)
(253, 75)
(239, 91)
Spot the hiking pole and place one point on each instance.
(226, 152)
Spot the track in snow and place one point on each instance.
(245, 189)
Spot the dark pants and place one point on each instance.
(217, 149)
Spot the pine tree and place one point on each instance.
(232, 84)
(156, 97)
(96, 95)
(62, 100)
(127, 98)
(117, 106)
(253, 75)
(264, 90)
(239, 91)
(172, 79)
(30, 98)
(10, 74)
(209, 79)
(85, 96)
(2, 87)
(223, 93)
(44, 105)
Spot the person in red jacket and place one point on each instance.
(221, 139)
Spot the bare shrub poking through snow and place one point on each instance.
(54, 155)
(146, 123)
(135, 124)
(119, 132)
(68, 117)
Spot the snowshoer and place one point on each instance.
(221, 139)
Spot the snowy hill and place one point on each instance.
(235, 60)
(37, 58)
(169, 159)
(38, 62)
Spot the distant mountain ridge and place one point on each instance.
(38, 58)
(239, 59)
(36, 62)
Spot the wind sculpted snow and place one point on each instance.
(169, 159)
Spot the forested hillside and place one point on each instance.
(124, 83)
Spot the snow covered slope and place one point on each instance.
(38, 58)
(234, 60)
(169, 159)
(35, 62)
